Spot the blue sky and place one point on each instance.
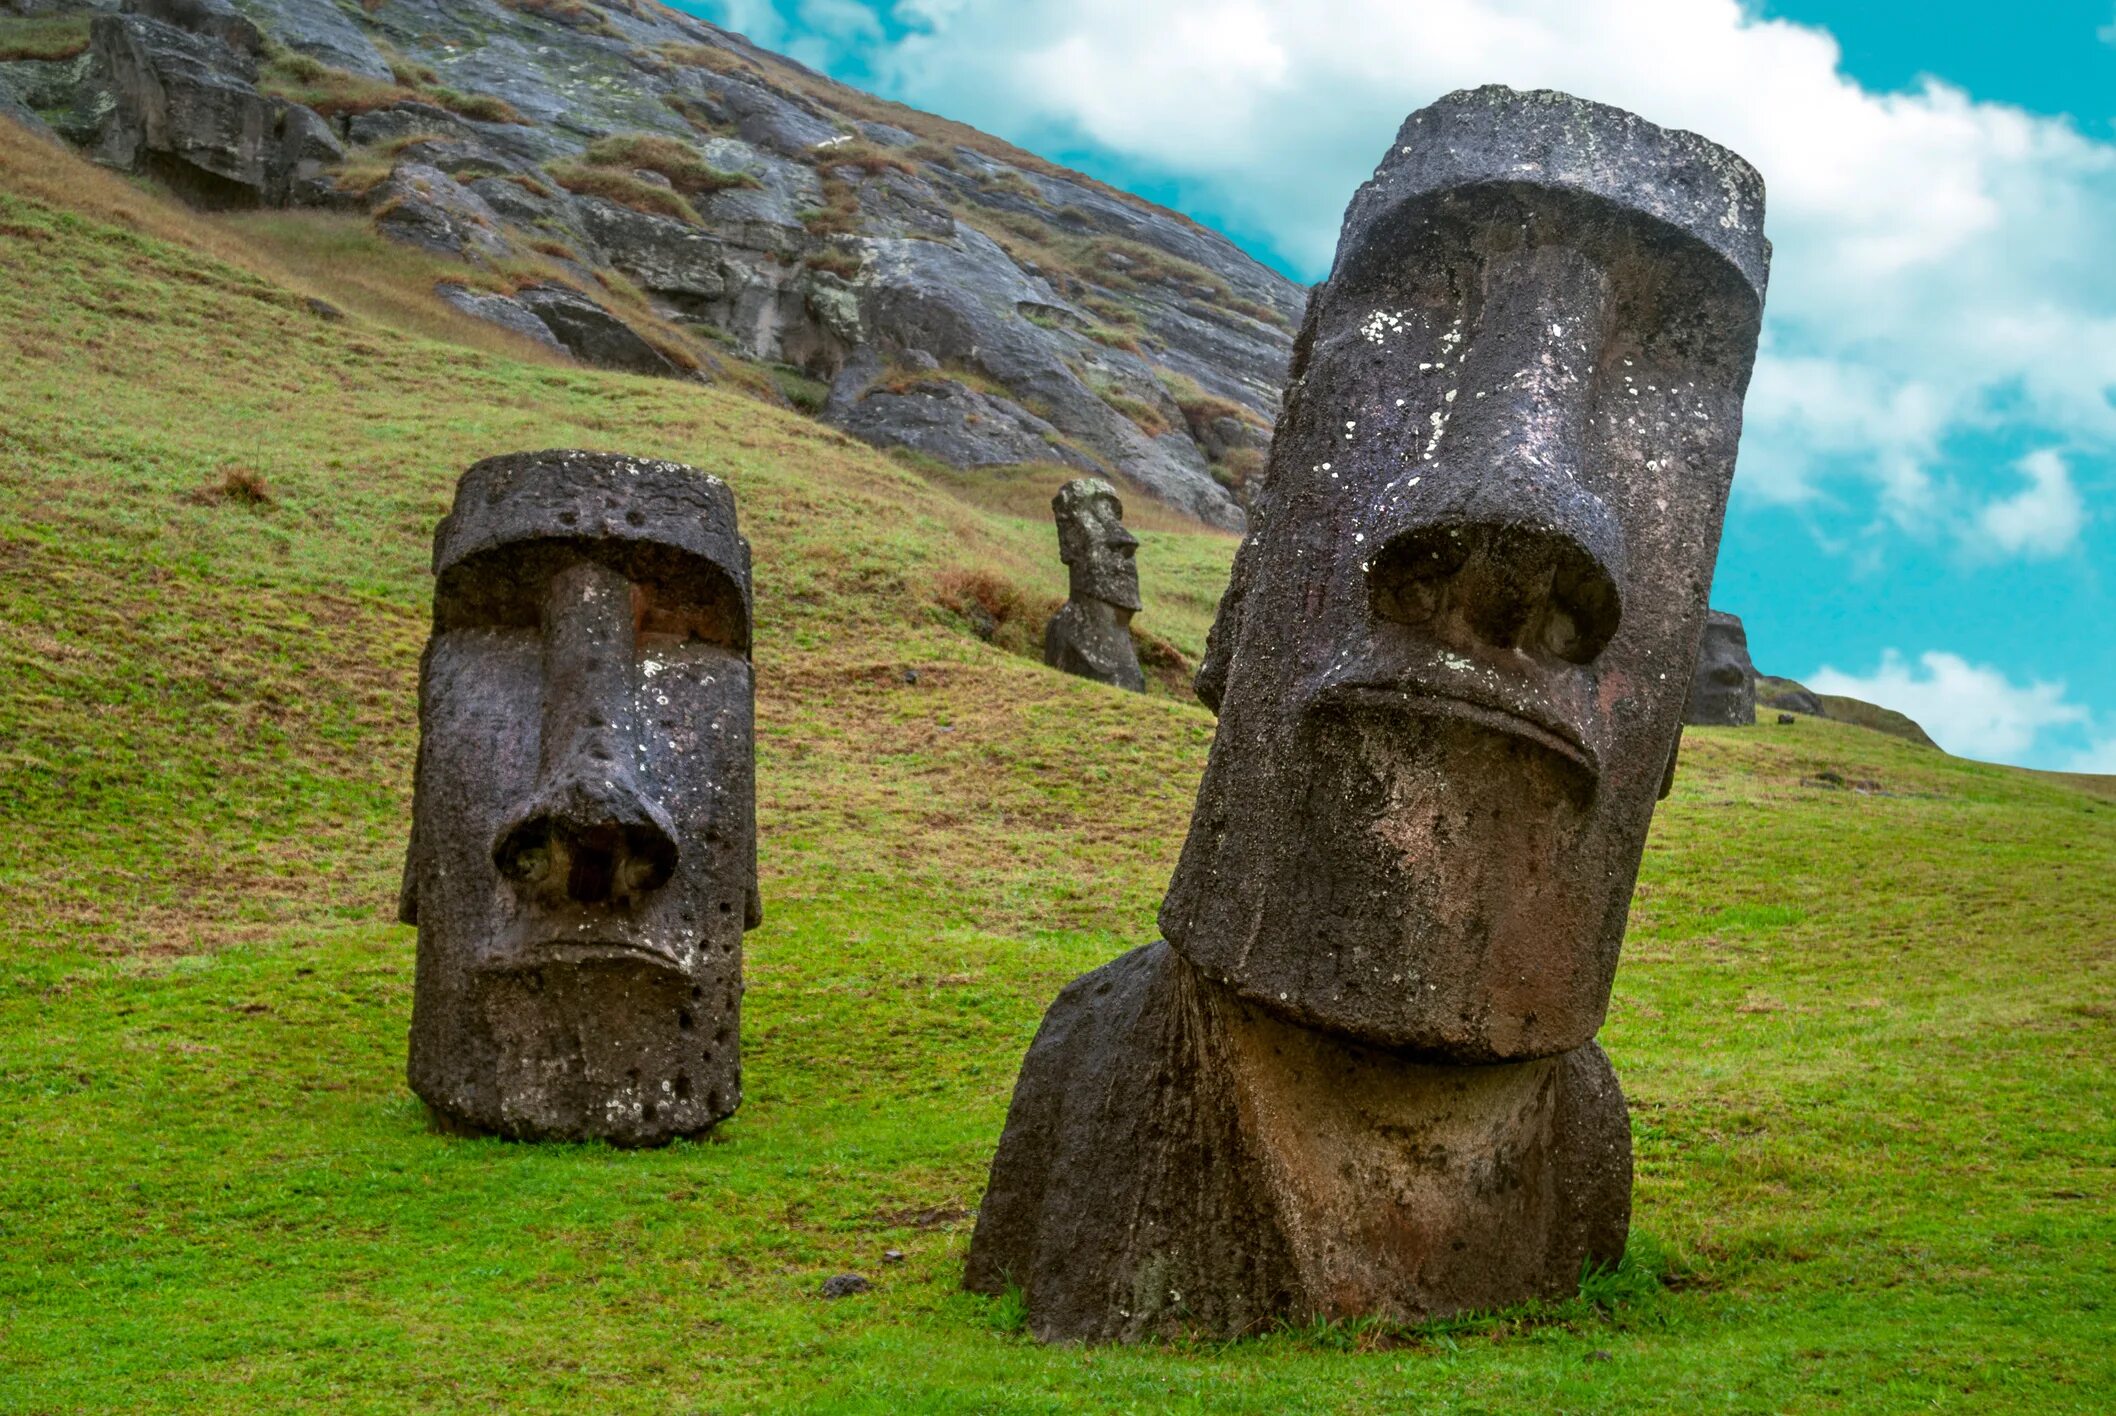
(1925, 511)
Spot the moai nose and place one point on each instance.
(1493, 536)
(1505, 585)
(588, 835)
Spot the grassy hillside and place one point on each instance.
(1864, 1018)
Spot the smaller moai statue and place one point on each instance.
(583, 845)
(1723, 689)
(1091, 636)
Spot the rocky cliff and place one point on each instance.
(647, 191)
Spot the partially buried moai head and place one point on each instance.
(1723, 689)
(1098, 552)
(1451, 664)
(583, 852)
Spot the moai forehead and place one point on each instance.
(662, 516)
(1451, 662)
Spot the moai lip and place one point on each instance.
(1358, 1076)
(1091, 635)
(1451, 662)
(1723, 687)
(582, 863)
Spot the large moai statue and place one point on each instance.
(1091, 636)
(1359, 1075)
(583, 849)
(1723, 688)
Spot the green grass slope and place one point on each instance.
(1865, 1015)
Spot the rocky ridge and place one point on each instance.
(649, 192)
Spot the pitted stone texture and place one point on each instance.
(1091, 635)
(583, 853)
(1359, 1078)
(1451, 660)
(1723, 688)
(1176, 1161)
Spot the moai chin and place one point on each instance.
(583, 850)
(1091, 636)
(1359, 1076)
(1723, 688)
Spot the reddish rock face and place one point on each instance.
(583, 855)
(1451, 665)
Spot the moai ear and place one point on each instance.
(1675, 750)
(408, 890)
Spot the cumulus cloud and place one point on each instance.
(1936, 268)
(1971, 710)
(2043, 518)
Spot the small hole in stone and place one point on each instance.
(650, 1111)
(568, 518)
(683, 1086)
(684, 1019)
(636, 517)
(706, 1057)
(719, 1035)
(697, 991)
(712, 1099)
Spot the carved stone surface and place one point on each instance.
(583, 850)
(1450, 670)
(1723, 689)
(1091, 636)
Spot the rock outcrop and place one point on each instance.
(765, 212)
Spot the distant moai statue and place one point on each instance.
(1723, 688)
(1359, 1075)
(1091, 636)
(583, 849)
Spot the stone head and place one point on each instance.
(583, 854)
(1097, 550)
(1723, 690)
(1451, 662)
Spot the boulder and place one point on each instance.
(424, 206)
(499, 310)
(1789, 695)
(592, 334)
(214, 19)
(323, 30)
(958, 425)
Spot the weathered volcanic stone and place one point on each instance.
(1723, 689)
(1359, 1077)
(1177, 1160)
(583, 850)
(1091, 636)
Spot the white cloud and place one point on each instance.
(2043, 518)
(1936, 271)
(1971, 710)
